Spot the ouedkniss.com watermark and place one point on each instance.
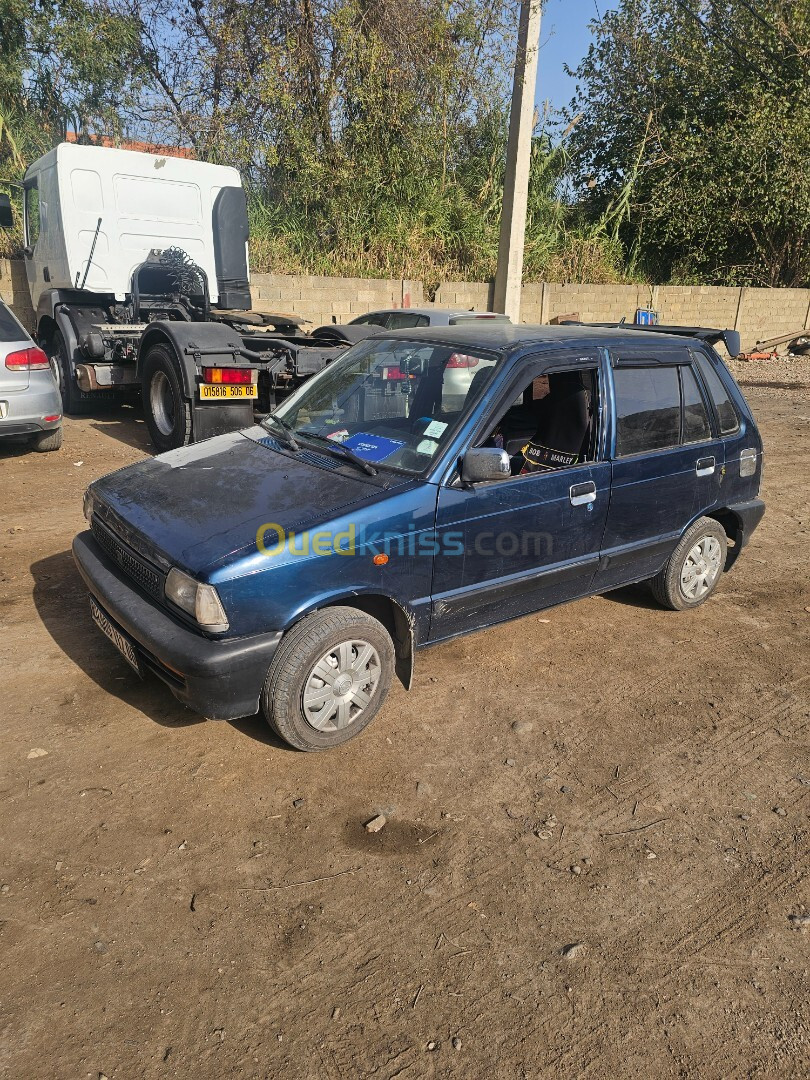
(273, 540)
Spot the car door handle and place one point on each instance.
(582, 493)
(704, 466)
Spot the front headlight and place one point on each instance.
(200, 601)
(88, 505)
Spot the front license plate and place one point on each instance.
(119, 640)
(227, 391)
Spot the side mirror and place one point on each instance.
(6, 215)
(484, 463)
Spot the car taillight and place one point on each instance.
(227, 375)
(32, 359)
(458, 360)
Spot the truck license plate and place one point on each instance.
(227, 391)
(119, 640)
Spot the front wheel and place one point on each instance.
(74, 401)
(166, 409)
(329, 678)
(694, 568)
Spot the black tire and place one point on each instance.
(670, 586)
(75, 402)
(166, 409)
(308, 645)
(48, 440)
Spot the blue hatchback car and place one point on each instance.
(296, 566)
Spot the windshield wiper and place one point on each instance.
(290, 440)
(343, 451)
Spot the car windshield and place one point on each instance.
(393, 403)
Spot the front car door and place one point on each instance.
(512, 546)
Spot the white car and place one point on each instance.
(30, 405)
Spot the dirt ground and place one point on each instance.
(181, 897)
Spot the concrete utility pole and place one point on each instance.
(509, 275)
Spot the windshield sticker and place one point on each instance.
(427, 446)
(435, 429)
(372, 447)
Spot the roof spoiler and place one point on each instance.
(730, 338)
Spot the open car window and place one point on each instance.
(551, 424)
(394, 403)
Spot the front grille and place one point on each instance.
(149, 579)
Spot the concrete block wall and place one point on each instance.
(319, 300)
(464, 295)
(766, 313)
(756, 313)
(14, 290)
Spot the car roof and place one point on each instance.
(508, 337)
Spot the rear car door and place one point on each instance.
(512, 546)
(667, 460)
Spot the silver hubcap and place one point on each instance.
(341, 685)
(161, 403)
(701, 567)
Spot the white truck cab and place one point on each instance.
(121, 205)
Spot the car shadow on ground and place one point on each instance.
(127, 425)
(638, 596)
(61, 601)
(14, 446)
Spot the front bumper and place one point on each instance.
(220, 679)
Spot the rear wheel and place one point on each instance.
(48, 440)
(329, 678)
(166, 410)
(694, 568)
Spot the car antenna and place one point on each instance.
(90, 259)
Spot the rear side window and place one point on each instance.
(648, 409)
(10, 329)
(696, 426)
(726, 413)
(400, 320)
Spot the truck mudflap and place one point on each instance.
(218, 418)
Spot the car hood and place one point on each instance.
(197, 506)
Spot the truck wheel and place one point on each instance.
(74, 401)
(48, 440)
(166, 410)
(329, 678)
(694, 568)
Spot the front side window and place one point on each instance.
(393, 403)
(648, 409)
(375, 319)
(551, 424)
(726, 413)
(31, 214)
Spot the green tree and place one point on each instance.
(695, 137)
